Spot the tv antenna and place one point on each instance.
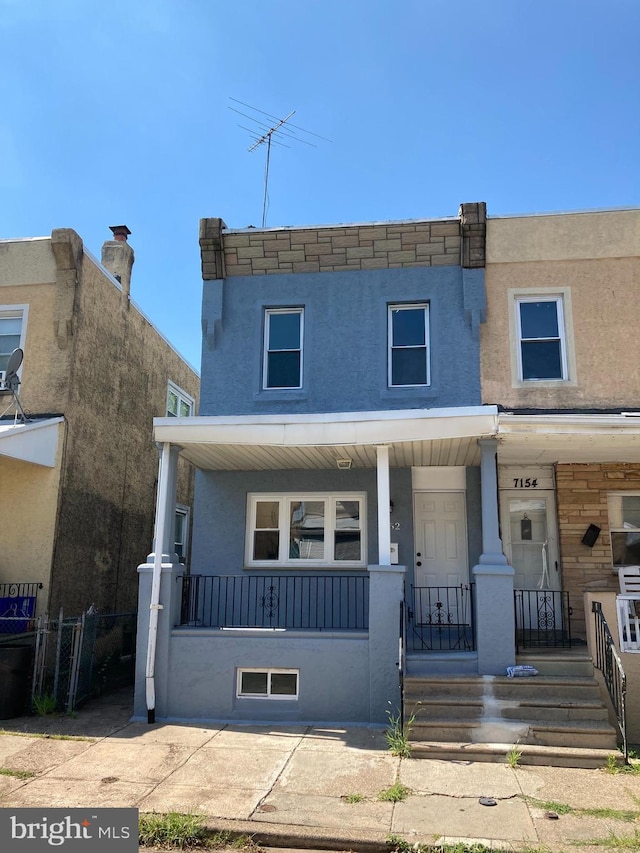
(9, 385)
(266, 137)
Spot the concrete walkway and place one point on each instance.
(302, 786)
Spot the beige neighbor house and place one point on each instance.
(78, 473)
(560, 356)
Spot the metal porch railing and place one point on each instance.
(607, 660)
(293, 602)
(543, 618)
(440, 618)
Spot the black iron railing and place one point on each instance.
(440, 618)
(607, 660)
(543, 618)
(300, 602)
(18, 606)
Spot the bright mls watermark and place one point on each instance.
(80, 830)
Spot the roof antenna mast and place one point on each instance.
(266, 137)
(272, 134)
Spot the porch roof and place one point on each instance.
(542, 439)
(270, 442)
(35, 442)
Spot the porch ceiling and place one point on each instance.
(272, 442)
(546, 439)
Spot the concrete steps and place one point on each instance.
(557, 717)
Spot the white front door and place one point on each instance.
(440, 539)
(530, 539)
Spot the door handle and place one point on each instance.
(418, 563)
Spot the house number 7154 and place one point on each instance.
(525, 483)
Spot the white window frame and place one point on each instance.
(184, 512)
(183, 397)
(560, 316)
(277, 697)
(284, 501)
(11, 312)
(616, 520)
(390, 345)
(269, 312)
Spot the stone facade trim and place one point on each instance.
(362, 246)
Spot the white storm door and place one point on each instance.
(530, 539)
(440, 539)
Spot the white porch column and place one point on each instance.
(166, 503)
(154, 642)
(495, 621)
(384, 517)
(491, 543)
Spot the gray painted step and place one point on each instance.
(558, 712)
(570, 733)
(501, 687)
(552, 708)
(547, 756)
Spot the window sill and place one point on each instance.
(280, 567)
(409, 392)
(268, 395)
(545, 383)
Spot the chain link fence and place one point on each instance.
(70, 659)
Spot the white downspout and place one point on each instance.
(155, 606)
(384, 521)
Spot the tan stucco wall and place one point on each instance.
(118, 384)
(92, 356)
(564, 236)
(28, 509)
(630, 660)
(26, 262)
(600, 293)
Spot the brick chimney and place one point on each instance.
(118, 258)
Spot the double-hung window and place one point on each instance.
(542, 351)
(624, 529)
(283, 337)
(408, 335)
(179, 403)
(181, 532)
(298, 530)
(11, 334)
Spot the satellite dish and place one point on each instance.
(15, 360)
(11, 383)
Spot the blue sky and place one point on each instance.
(118, 112)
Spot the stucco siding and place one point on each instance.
(118, 382)
(601, 339)
(28, 509)
(202, 674)
(345, 341)
(26, 262)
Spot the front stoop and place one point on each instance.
(552, 719)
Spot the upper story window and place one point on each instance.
(283, 336)
(12, 326)
(315, 529)
(542, 350)
(179, 403)
(624, 529)
(181, 532)
(408, 362)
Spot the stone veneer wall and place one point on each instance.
(582, 500)
(352, 247)
(227, 252)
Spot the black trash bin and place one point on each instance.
(15, 678)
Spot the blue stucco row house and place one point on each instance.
(346, 489)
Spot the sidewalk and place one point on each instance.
(301, 786)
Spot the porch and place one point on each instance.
(436, 619)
